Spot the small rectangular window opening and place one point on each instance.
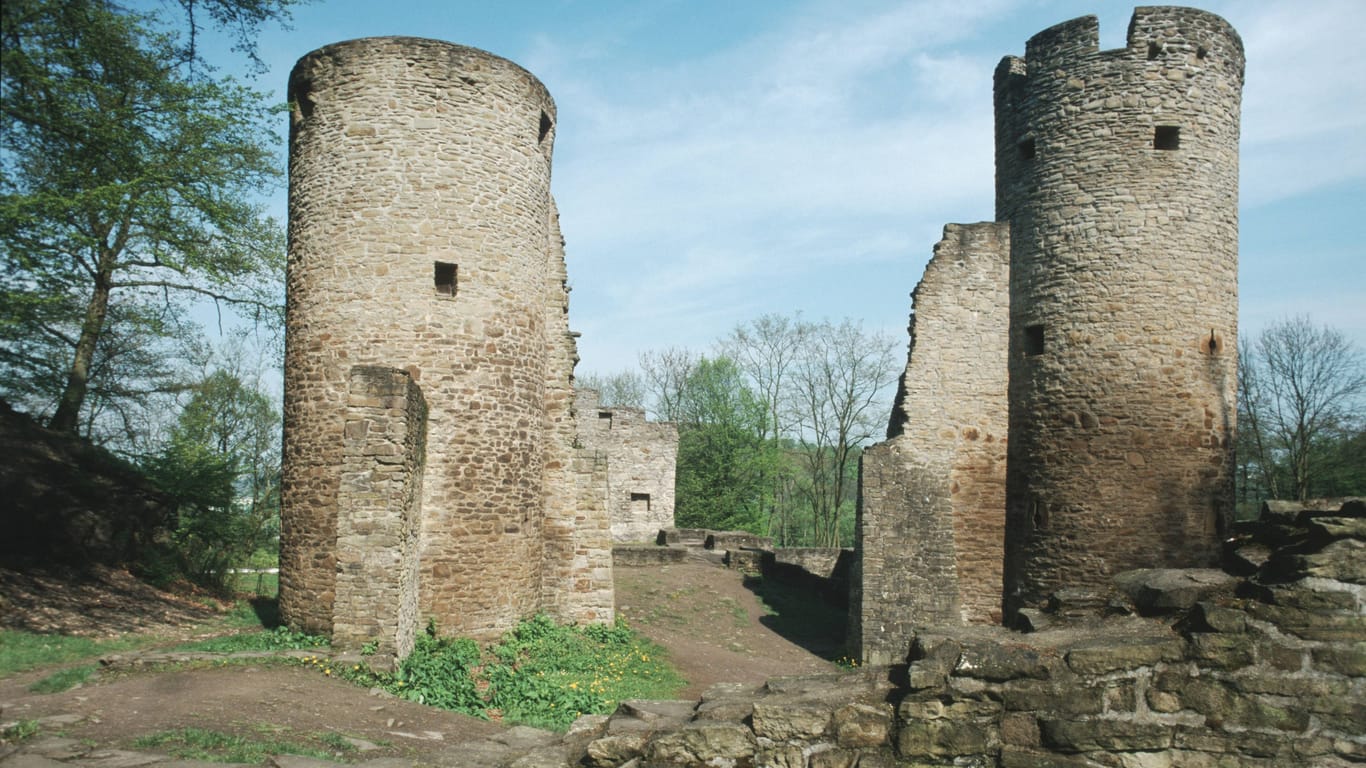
(1026, 148)
(605, 415)
(641, 498)
(1033, 339)
(1167, 137)
(444, 277)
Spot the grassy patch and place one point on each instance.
(63, 680)
(21, 651)
(20, 731)
(219, 747)
(540, 674)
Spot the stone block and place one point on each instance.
(1057, 698)
(782, 721)
(1159, 591)
(947, 738)
(1109, 655)
(701, 743)
(612, 751)
(1345, 659)
(996, 661)
(1207, 616)
(1104, 735)
(863, 725)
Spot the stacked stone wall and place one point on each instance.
(642, 457)
(931, 520)
(1118, 173)
(420, 238)
(378, 513)
(577, 581)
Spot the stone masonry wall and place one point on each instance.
(931, 520)
(577, 580)
(378, 517)
(1118, 173)
(421, 231)
(642, 456)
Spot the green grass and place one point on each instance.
(20, 731)
(276, 639)
(63, 680)
(540, 674)
(219, 747)
(20, 651)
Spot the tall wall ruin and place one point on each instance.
(931, 530)
(642, 456)
(423, 238)
(1114, 262)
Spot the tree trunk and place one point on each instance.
(68, 412)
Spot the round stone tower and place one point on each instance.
(1118, 173)
(420, 216)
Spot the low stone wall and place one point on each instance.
(645, 554)
(1216, 671)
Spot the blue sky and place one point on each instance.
(715, 161)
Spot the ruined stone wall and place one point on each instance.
(1118, 173)
(931, 521)
(576, 584)
(420, 218)
(378, 512)
(641, 457)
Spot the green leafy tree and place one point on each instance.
(128, 181)
(722, 455)
(222, 463)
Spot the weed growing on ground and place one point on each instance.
(278, 639)
(541, 674)
(63, 680)
(219, 747)
(20, 731)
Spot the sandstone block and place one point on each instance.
(784, 722)
(1104, 735)
(863, 725)
(700, 743)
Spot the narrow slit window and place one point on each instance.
(545, 127)
(1027, 149)
(1033, 339)
(1167, 137)
(1154, 50)
(444, 276)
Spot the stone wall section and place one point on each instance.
(931, 521)
(1118, 173)
(378, 513)
(423, 237)
(577, 581)
(642, 457)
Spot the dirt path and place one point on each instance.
(714, 627)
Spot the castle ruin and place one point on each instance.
(1067, 410)
(641, 455)
(432, 467)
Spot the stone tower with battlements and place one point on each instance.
(424, 242)
(1090, 333)
(1118, 173)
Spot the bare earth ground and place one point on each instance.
(714, 627)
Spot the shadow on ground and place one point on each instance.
(802, 615)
